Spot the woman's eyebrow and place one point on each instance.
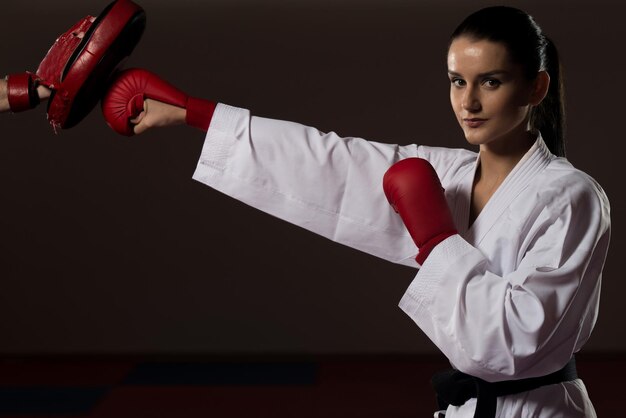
(487, 74)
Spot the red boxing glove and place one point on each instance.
(414, 191)
(124, 100)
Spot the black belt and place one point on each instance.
(455, 388)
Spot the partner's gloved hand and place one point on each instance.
(415, 193)
(124, 105)
(76, 69)
(22, 87)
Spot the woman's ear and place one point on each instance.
(540, 88)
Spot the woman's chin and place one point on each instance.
(473, 139)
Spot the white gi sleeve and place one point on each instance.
(319, 181)
(528, 322)
(322, 182)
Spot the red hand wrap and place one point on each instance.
(21, 92)
(199, 113)
(414, 191)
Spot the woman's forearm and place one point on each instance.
(4, 100)
(42, 92)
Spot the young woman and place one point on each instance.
(509, 265)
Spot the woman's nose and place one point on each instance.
(470, 100)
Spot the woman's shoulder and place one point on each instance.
(449, 163)
(459, 154)
(562, 180)
(447, 159)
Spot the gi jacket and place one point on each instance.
(513, 296)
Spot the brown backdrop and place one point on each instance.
(108, 246)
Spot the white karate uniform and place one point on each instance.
(513, 296)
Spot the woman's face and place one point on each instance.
(489, 94)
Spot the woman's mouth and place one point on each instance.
(474, 122)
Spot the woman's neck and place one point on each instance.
(498, 159)
(494, 165)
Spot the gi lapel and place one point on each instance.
(462, 197)
(534, 161)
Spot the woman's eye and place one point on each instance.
(457, 82)
(492, 82)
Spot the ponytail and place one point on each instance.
(549, 116)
